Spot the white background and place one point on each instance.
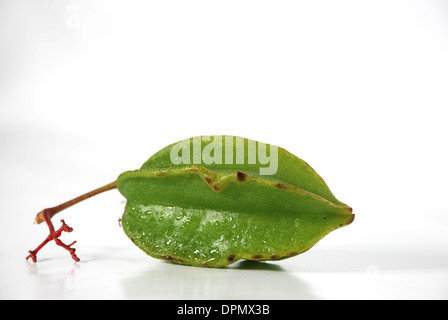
(358, 89)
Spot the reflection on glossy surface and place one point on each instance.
(117, 274)
(123, 273)
(247, 280)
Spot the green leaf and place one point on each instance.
(216, 208)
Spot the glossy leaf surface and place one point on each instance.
(213, 213)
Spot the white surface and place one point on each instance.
(357, 89)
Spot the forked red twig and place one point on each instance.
(54, 235)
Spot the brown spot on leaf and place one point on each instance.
(257, 256)
(231, 257)
(208, 179)
(170, 258)
(161, 174)
(281, 185)
(274, 256)
(215, 187)
(293, 254)
(241, 176)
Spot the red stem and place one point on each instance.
(47, 214)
